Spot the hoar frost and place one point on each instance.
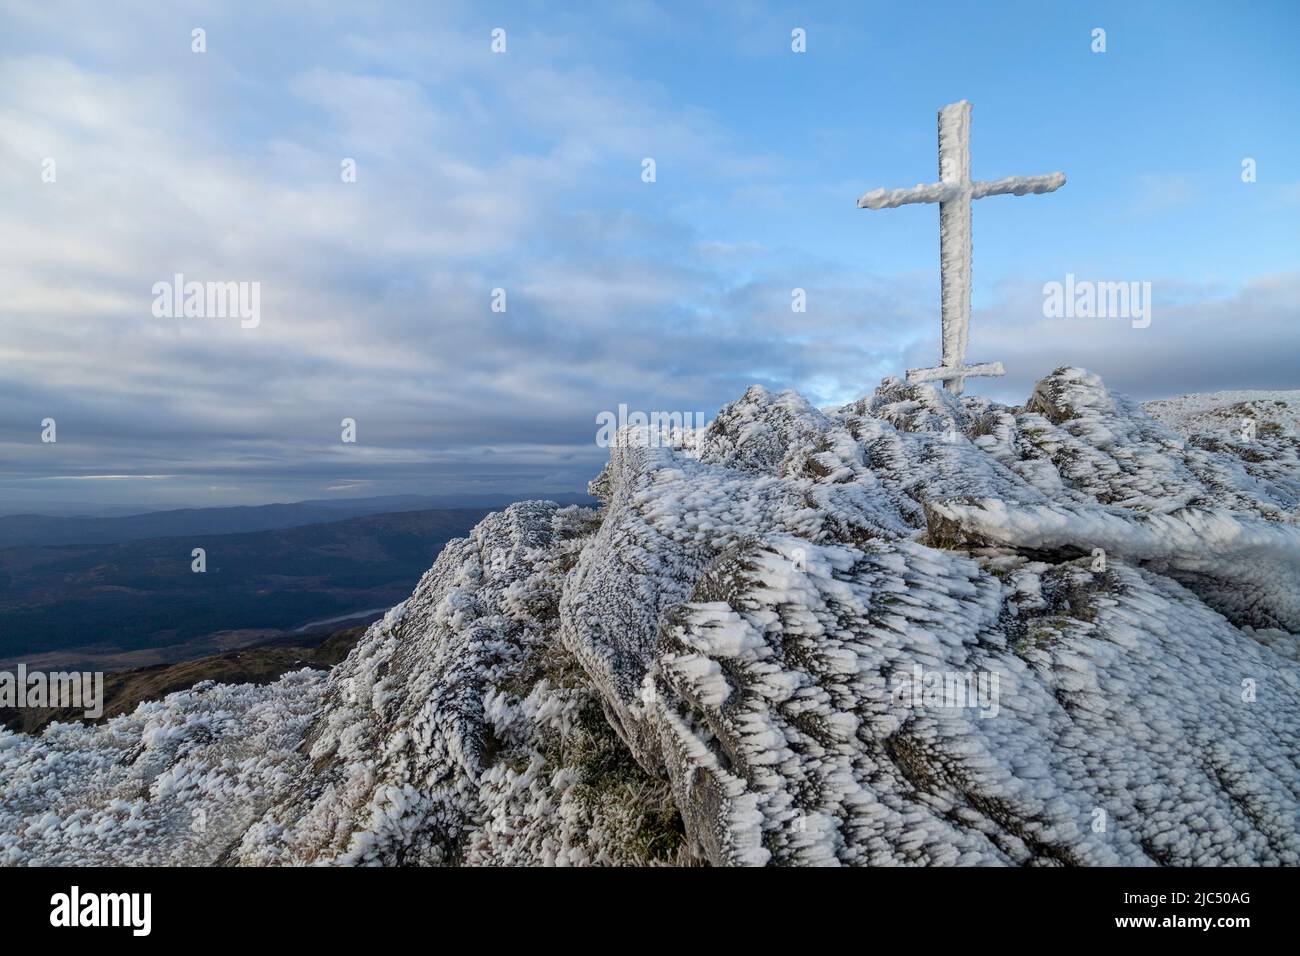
(705, 669)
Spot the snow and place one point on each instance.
(709, 667)
(1219, 411)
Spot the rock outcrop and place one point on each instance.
(917, 629)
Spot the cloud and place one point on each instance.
(1201, 338)
(375, 295)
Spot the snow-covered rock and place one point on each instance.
(916, 629)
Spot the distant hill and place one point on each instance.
(36, 530)
(138, 602)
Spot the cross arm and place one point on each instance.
(945, 373)
(891, 198)
(1017, 185)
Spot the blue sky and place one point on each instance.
(522, 171)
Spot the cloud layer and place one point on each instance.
(475, 172)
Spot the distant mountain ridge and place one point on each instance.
(39, 530)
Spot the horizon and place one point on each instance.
(452, 502)
(523, 171)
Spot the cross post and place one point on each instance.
(954, 192)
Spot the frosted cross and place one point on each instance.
(954, 193)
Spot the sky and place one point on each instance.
(524, 171)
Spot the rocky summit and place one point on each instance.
(918, 629)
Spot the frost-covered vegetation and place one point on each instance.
(706, 669)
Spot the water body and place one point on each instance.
(338, 620)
